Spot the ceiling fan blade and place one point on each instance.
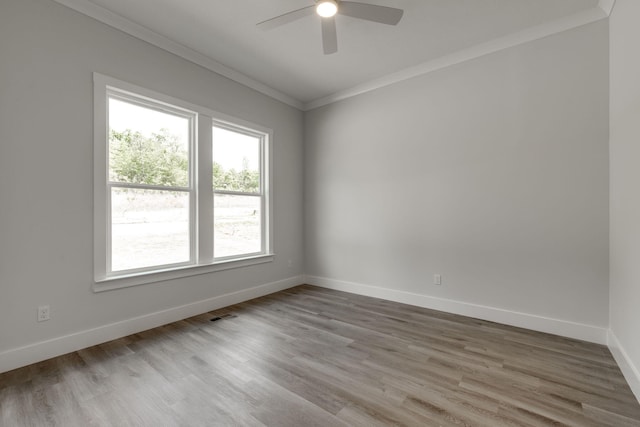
(286, 18)
(371, 12)
(329, 36)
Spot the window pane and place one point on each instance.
(147, 146)
(236, 161)
(149, 227)
(236, 225)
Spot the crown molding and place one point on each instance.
(136, 30)
(607, 6)
(602, 11)
(86, 7)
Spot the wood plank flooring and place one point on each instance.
(314, 357)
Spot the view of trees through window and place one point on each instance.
(237, 211)
(160, 159)
(151, 226)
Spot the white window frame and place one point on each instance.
(263, 182)
(200, 187)
(190, 189)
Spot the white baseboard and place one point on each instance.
(629, 369)
(564, 328)
(23, 356)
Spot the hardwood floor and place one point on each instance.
(315, 357)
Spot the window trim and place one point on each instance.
(200, 188)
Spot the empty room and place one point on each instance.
(319, 213)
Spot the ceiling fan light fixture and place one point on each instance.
(327, 8)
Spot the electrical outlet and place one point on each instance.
(290, 263)
(43, 313)
(437, 279)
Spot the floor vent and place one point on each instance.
(223, 316)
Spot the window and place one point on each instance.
(238, 191)
(150, 189)
(179, 189)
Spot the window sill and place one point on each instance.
(127, 280)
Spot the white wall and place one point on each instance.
(47, 56)
(625, 189)
(493, 173)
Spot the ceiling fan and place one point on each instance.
(327, 10)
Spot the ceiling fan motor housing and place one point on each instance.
(327, 9)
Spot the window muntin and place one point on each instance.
(154, 224)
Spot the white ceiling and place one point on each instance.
(289, 59)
